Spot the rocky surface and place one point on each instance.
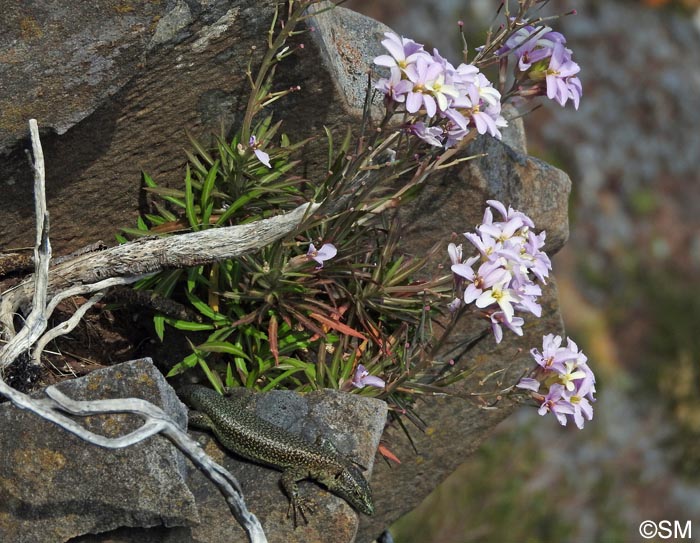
(115, 93)
(55, 487)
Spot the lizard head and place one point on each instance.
(351, 485)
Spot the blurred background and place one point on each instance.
(628, 283)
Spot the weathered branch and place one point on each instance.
(143, 257)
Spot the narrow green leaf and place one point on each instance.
(190, 361)
(187, 325)
(208, 185)
(223, 347)
(212, 376)
(148, 180)
(201, 306)
(189, 202)
(136, 232)
(155, 220)
(167, 215)
(159, 325)
(230, 381)
(200, 149)
(166, 282)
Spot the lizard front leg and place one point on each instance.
(297, 503)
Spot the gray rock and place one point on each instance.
(54, 486)
(352, 423)
(114, 90)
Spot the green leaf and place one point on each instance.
(329, 136)
(208, 184)
(223, 347)
(190, 361)
(200, 149)
(274, 382)
(136, 232)
(188, 326)
(206, 214)
(159, 325)
(148, 180)
(194, 277)
(166, 282)
(230, 381)
(155, 220)
(212, 376)
(141, 224)
(189, 202)
(204, 308)
(167, 215)
(173, 196)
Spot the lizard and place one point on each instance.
(249, 436)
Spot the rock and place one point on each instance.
(352, 423)
(54, 486)
(132, 79)
(455, 201)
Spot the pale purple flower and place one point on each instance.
(362, 378)
(499, 293)
(506, 214)
(553, 355)
(571, 382)
(395, 87)
(527, 383)
(455, 252)
(508, 251)
(262, 156)
(402, 51)
(429, 134)
(498, 318)
(561, 83)
(422, 74)
(326, 252)
(488, 274)
(454, 305)
(571, 373)
(528, 294)
(484, 243)
(555, 403)
(581, 397)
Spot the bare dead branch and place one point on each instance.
(148, 256)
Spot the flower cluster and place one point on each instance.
(570, 383)
(544, 64)
(452, 100)
(500, 278)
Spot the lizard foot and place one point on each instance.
(298, 507)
